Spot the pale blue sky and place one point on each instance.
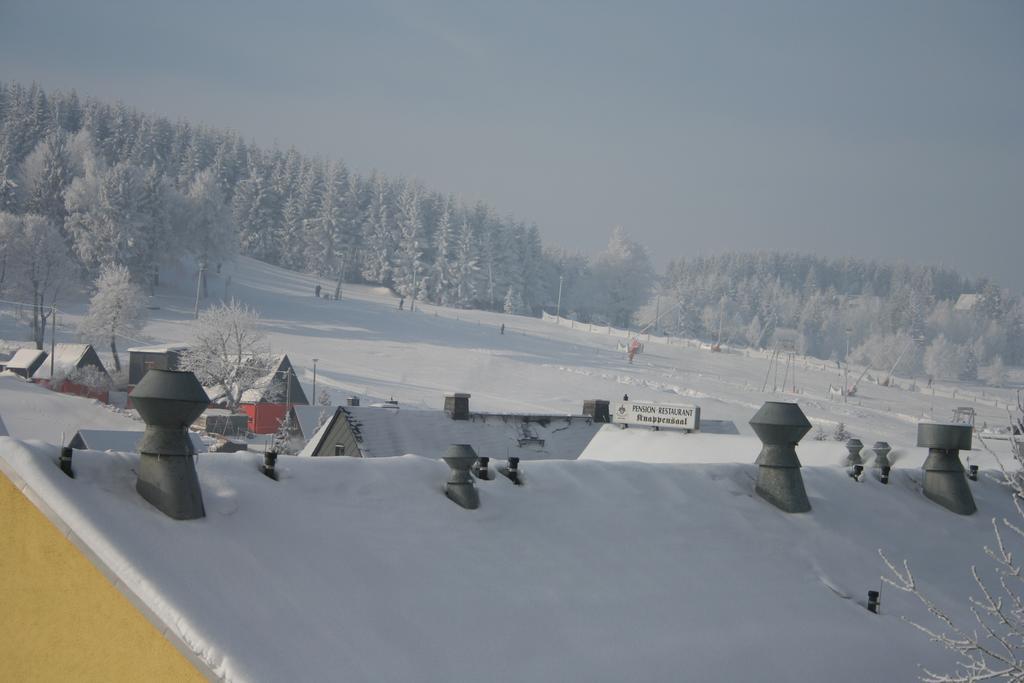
(888, 129)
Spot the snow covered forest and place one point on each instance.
(118, 187)
(87, 186)
(893, 312)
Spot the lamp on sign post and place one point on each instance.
(846, 366)
(558, 308)
(314, 379)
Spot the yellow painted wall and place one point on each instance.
(61, 619)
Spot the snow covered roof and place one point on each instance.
(309, 418)
(388, 432)
(361, 570)
(120, 441)
(967, 302)
(166, 348)
(23, 359)
(33, 412)
(67, 357)
(272, 387)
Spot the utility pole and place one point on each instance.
(53, 338)
(314, 380)
(199, 282)
(846, 367)
(341, 277)
(288, 388)
(558, 310)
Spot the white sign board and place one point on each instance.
(667, 415)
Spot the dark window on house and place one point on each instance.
(339, 449)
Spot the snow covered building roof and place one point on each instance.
(25, 362)
(69, 357)
(370, 431)
(308, 419)
(119, 441)
(280, 385)
(967, 302)
(589, 571)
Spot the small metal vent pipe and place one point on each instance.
(780, 426)
(511, 470)
(269, 463)
(66, 452)
(460, 488)
(481, 468)
(168, 402)
(944, 480)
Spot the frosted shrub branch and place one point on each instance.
(994, 648)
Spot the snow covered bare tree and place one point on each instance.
(211, 231)
(993, 647)
(625, 276)
(117, 307)
(441, 270)
(408, 267)
(39, 266)
(466, 269)
(229, 354)
(377, 234)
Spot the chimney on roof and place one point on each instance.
(597, 409)
(944, 480)
(456, 406)
(168, 402)
(780, 426)
(460, 489)
(854, 446)
(882, 450)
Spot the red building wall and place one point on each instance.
(264, 418)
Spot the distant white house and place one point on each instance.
(967, 302)
(70, 357)
(25, 362)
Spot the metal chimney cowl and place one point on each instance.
(168, 402)
(780, 426)
(854, 447)
(944, 479)
(460, 489)
(882, 450)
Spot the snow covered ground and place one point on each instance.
(663, 569)
(367, 347)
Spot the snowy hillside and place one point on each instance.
(367, 347)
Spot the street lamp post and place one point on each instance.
(846, 367)
(558, 309)
(314, 380)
